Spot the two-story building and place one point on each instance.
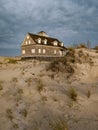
(41, 45)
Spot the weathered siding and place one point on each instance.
(26, 41)
(31, 47)
(49, 50)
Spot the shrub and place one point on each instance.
(88, 93)
(15, 126)
(54, 65)
(72, 49)
(12, 61)
(55, 99)
(82, 45)
(40, 86)
(28, 81)
(80, 53)
(52, 76)
(63, 64)
(15, 79)
(70, 53)
(96, 48)
(9, 114)
(73, 94)
(59, 125)
(24, 112)
(20, 91)
(72, 60)
(1, 86)
(44, 98)
(69, 69)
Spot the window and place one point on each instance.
(27, 37)
(62, 44)
(29, 42)
(33, 51)
(45, 41)
(44, 51)
(39, 40)
(54, 51)
(26, 42)
(60, 53)
(23, 52)
(55, 43)
(39, 50)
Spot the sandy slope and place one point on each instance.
(32, 98)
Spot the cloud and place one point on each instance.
(68, 20)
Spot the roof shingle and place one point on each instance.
(50, 40)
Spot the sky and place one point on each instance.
(71, 21)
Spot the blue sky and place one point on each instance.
(71, 21)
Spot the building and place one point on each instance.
(41, 45)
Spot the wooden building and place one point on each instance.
(40, 45)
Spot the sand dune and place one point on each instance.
(32, 98)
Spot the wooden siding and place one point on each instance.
(31, 48)
(29, 39)
(49, 50)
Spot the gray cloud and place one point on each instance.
(69, 20)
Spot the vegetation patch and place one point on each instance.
(96, 48)
(88, 93)
(40, 86)
(59, 125)
(1, 86)
(9, 114)
(28, 81)
(44, 98)
(20, 91)
(12, 61)
(62, 65)
(73, 94)
(24, 112)
(15, 79)
(15, 126)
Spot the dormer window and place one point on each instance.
(45, 41)
(55, 43)
(39, 40)
(62, 44)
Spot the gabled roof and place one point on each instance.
(49, 39)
